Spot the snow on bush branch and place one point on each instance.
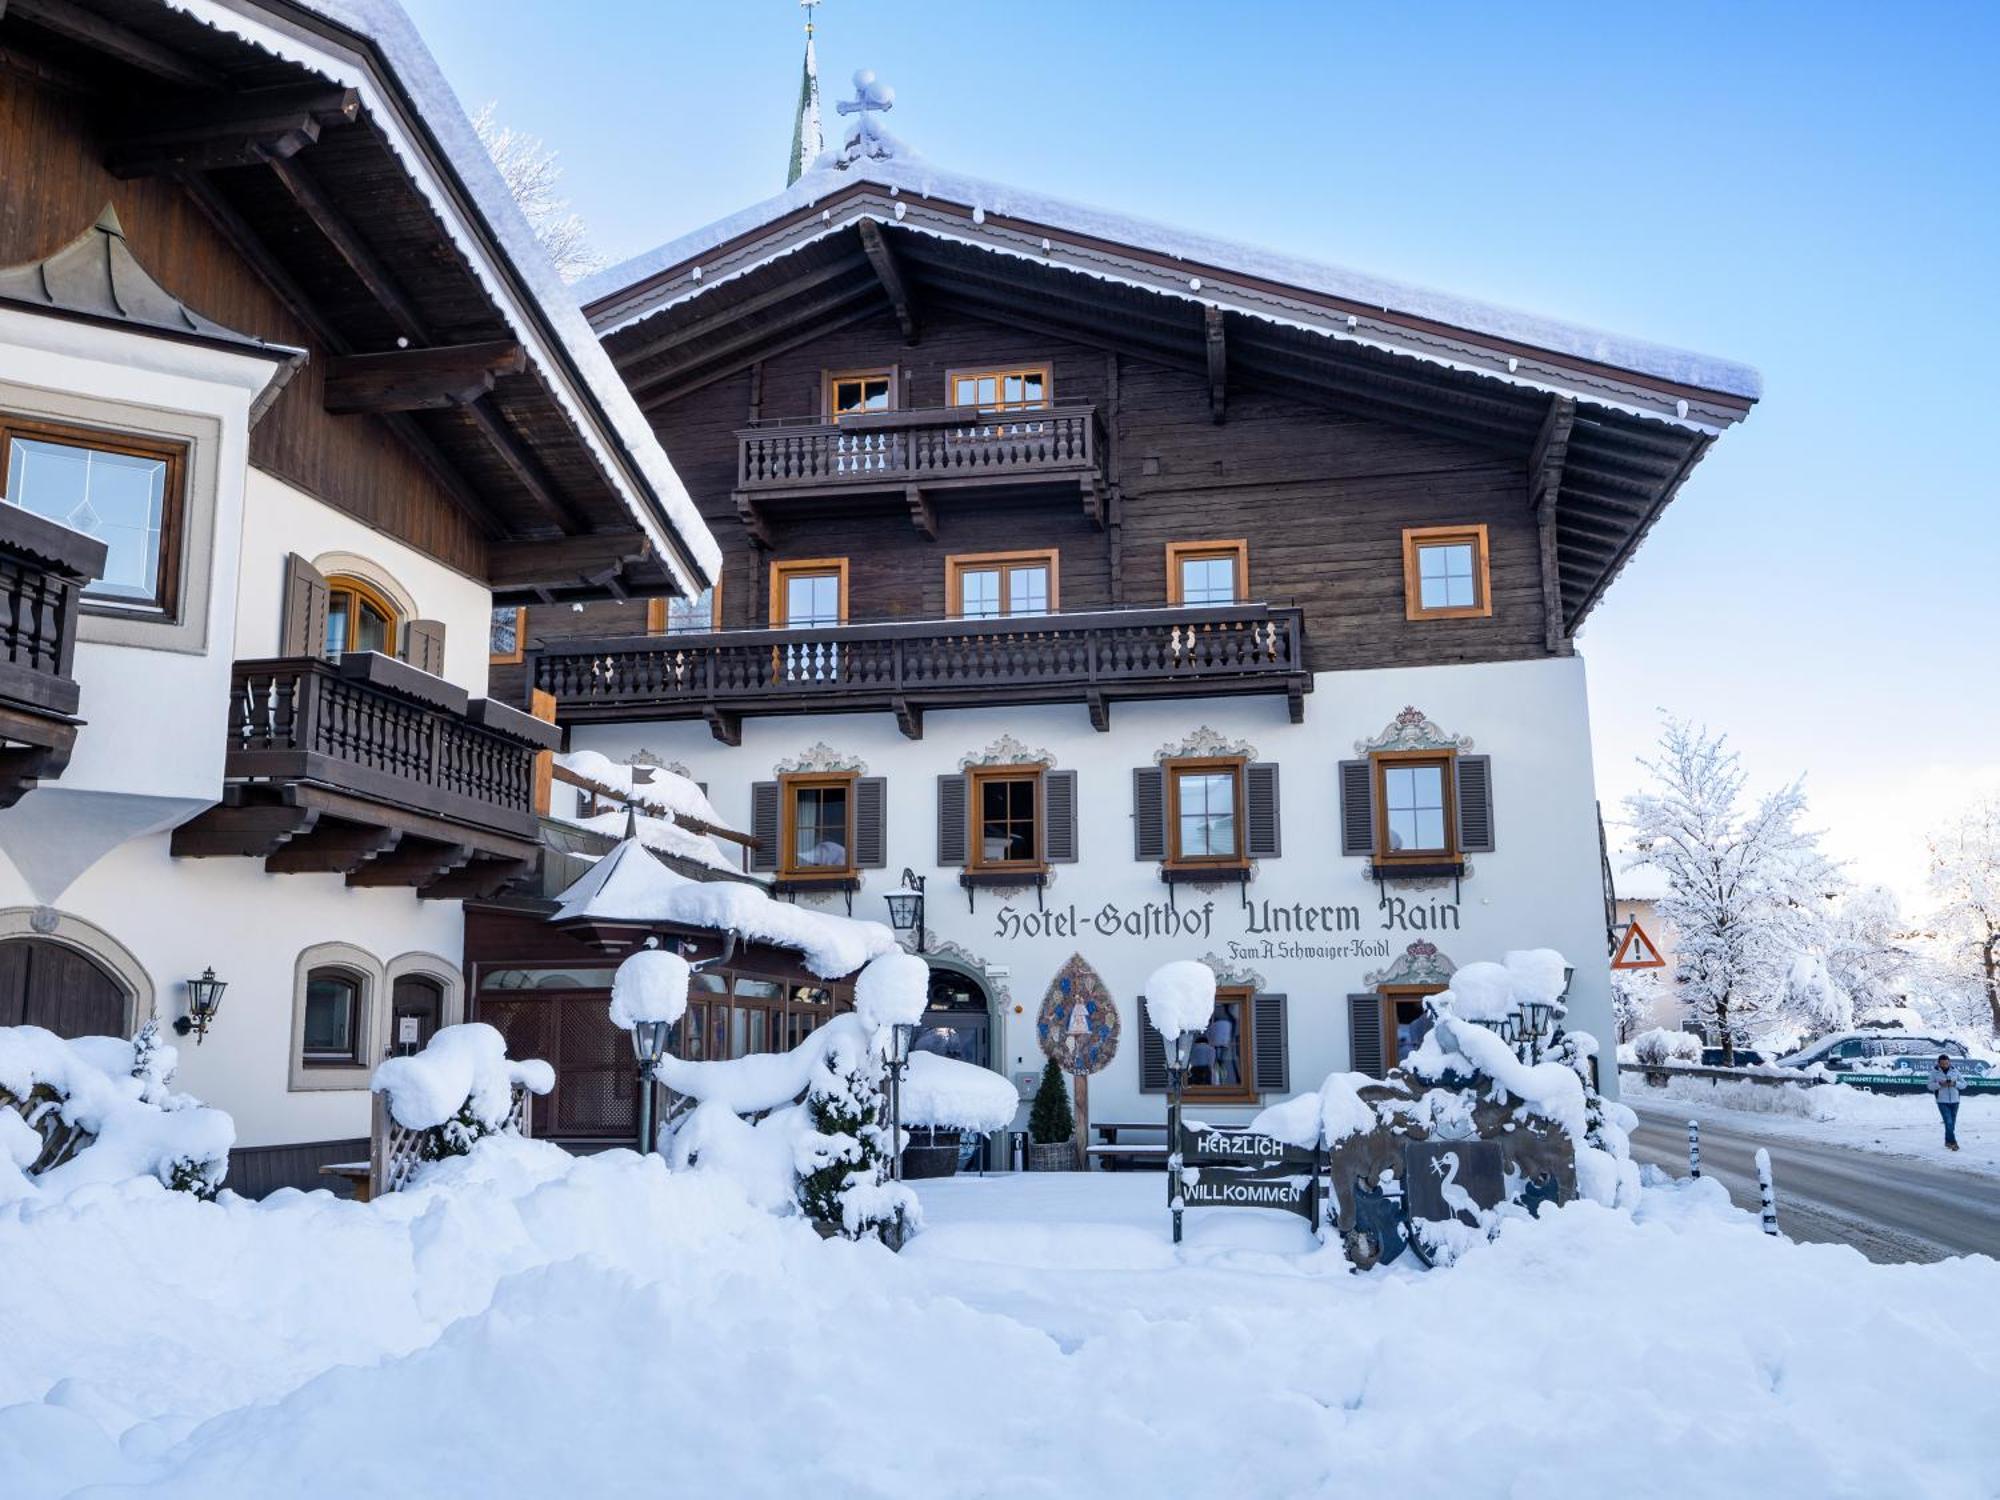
(459, 1089)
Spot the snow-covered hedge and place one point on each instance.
(98, 1109)
(1657, 1046)
(459, 1089)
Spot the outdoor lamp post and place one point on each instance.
(204, 999)
(649, 1045)
(906, 907)
(901, 1034)
(1179, 1049)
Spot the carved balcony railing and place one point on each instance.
(374, 770)
(1093, 659)
(913, 456)
(43, 570)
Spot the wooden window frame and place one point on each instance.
(1392, 995)
(959, 564)
(830, 378)
(1246, 1047)
(507, 658)
(1174, 770)
(361, 588)
(657, 611)
(789, 786)
(357, 985)
(1378, 766)
(808, 566)
(976, 778)
(165, 602)
(1415, 539)
(1179, 552)
(999, 373)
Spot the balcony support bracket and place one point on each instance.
(909, 718)
(922, 515)
(331, 848)
(1100, 711)
(754, 521)
(724, 725)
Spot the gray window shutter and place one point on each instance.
(1152, 1053)
(1364, 1034)
(1260, 802)
(1475, 804)
(303, 629)
(423, 645)
(1270, 1044)
(871, 819)
(764, 824)
(1357, 807)
(1059, 817)
(952, 825)
(1149, 812)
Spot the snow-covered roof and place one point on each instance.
(913, 180)
(422, 105)
(1637, 882)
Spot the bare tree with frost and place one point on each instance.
(533, 176)
(1965, 880)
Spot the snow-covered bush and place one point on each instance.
(843, 1157)
(98, 1109)
(459, 1089)
(1659, 1045)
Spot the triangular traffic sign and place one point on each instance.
(1636, 950)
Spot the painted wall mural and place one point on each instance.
(1078, 1023)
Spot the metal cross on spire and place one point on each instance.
(806, 141)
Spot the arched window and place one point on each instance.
(416, 1011)
(332, 1036)
(359, 617)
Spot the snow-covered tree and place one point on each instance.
(843, 1159)
(1965, 881)
(1866, 951)
(1747, 887)
(532, 175)
(1635, 994)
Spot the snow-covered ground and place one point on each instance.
(1838, 1115)
(601, 1327)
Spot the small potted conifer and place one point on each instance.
(1051, 1126)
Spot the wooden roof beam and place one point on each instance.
(236, 130)
(1215, 340)
(526, 467)
(732, 314)
(70, 20)
(742, 358)
(1551, 449)
(889, 271)
(419, 379)
(361, 260)
(809, 316)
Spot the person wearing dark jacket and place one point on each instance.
(1944, 1084)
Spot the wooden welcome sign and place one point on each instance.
(1233, 1166)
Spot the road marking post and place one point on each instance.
(1694, 1148)
(1765, 1192)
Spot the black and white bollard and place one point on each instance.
(1765, 1192)
(1694, 1148)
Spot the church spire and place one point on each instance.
(806, 140)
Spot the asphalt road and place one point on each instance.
(1890, 1208)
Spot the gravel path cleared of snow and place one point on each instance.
(602, 1327)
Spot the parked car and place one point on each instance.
(1746, 1057)
(1919, 1066)
(1871, 1051)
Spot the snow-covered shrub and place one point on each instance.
(98, 1109)
(843, 1157)
(1660, 1046)
(459, 1089)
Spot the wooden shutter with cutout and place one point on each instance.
(423, 645)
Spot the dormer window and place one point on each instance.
(125, 491)
(1445, 573)
(1015, 388)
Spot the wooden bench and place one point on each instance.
(355, 1174)
(1114, 1154)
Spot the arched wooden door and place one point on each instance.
(59, 989)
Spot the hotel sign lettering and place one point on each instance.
(1261, 929)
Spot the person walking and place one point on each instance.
(1944, 1084)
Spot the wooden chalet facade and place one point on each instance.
(289, 400)
(1052, 542)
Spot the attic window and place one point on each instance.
(1445, 574)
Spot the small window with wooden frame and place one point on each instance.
(1405, 1020)
(508, 636)
(1205, 810)
(856, 393)
(681, 615)
(1416, 807)
(331, 1036)
(991, 585)
(359, 617)
(126, 491)
(809, 593)
(816, 838)
(1008, 810)
(1445, 573)
(1221, 1065)
(1208, 572)
(1002, 388)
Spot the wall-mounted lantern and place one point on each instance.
(906, 907)
(204, 999)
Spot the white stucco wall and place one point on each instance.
(1541, 887)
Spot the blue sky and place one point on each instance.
(1812, 189)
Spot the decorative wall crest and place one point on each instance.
(1228, 972)
(820, 757)
(1411, 730)
(1078, 1023)
(1420, 963)
(1204, 741)
(1006, 751)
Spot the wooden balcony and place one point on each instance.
(917, 458)
(1094, 659)
(43, 570)
(371, 769)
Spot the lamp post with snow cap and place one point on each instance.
(1178, 1050)
(901, 1034)
(649, 1045)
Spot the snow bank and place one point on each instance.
(116, 1091)
(1180, 997)
(651, 985)
(954, 1095)
(893, 990)
(460, 1067)
(1324, 1118)
(664, 789)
